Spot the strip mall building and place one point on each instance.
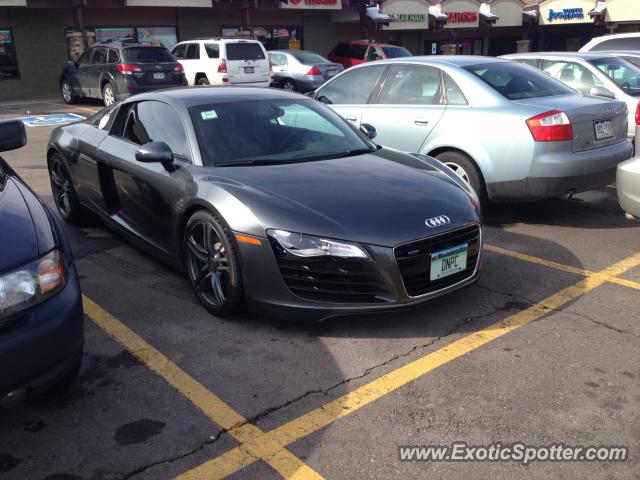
(37, 37)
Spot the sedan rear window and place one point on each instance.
(244, 51)
(309, 58)
(396, 52)
(147, 55)
(516, 82)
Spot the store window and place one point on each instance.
(8, 60)
(163, 36)
(272, 37)
(115, 34)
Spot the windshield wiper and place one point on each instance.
(244, 163)
(351, 153)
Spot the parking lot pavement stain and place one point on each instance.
(33, 426)
(138, 432)
(8, 462)
(62, 476)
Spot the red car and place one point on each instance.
(360, 51)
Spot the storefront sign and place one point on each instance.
(462, 17)
(565, 14)
(406, 14)
(5, 36)
(462, 13)
(313, 4)
(562, 12)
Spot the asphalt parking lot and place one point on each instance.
(544, 349)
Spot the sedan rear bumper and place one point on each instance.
(555, 174)
(628, 186)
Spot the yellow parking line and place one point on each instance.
(560, 266)
(283, 461)
(239, 457)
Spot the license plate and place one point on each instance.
(158, 76)
(604, 129)
(248, 69)
(449, 261)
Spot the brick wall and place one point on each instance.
(41, 50)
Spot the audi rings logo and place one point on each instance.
(438, 221)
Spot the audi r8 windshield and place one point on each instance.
(272, 131)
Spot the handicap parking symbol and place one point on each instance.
(56, 119)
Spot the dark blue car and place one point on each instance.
(41, 317)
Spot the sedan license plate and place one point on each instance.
(248, 69)
(158, 76)
(604, 129)
(449, 261)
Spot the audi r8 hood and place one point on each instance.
(384, 198)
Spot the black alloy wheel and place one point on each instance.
(64, 194)
(212, 264)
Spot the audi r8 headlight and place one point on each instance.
(302, 245)
(32, 284)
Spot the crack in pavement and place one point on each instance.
(211, 440)
(567, 312)
(268, 411)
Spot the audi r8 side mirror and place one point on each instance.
(601, 92)
(153, 152)
(369, 130)
(12, 135)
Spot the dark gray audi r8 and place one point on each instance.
(270, 198)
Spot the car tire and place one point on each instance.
(465, 168)
(64, 195)
(288, 84)
(211, 263)
(203, 81)
(109, 96)
(66, 90)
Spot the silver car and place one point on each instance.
(604, 74)
(301, 70)
(509, 130)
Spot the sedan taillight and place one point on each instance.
(222, 67)
(638, 114)
(552, 126)
(178, 68)
(128, 68)
(314, 71)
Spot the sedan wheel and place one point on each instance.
(290, 85)
(67, 92)
(108, 95)
(465, 168)
(461, 172)
(212, 264)
(63, 192)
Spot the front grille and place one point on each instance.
(414, 259)
(330, 279)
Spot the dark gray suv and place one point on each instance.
(113, 71)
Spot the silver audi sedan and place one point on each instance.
(604, 74)
(508, 129)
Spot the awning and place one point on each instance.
(374, 14)
(437, 15)
(486, 15)
(599, 10)
(530, 16)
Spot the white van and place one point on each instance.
(224, 61)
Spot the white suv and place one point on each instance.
(217, 61)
